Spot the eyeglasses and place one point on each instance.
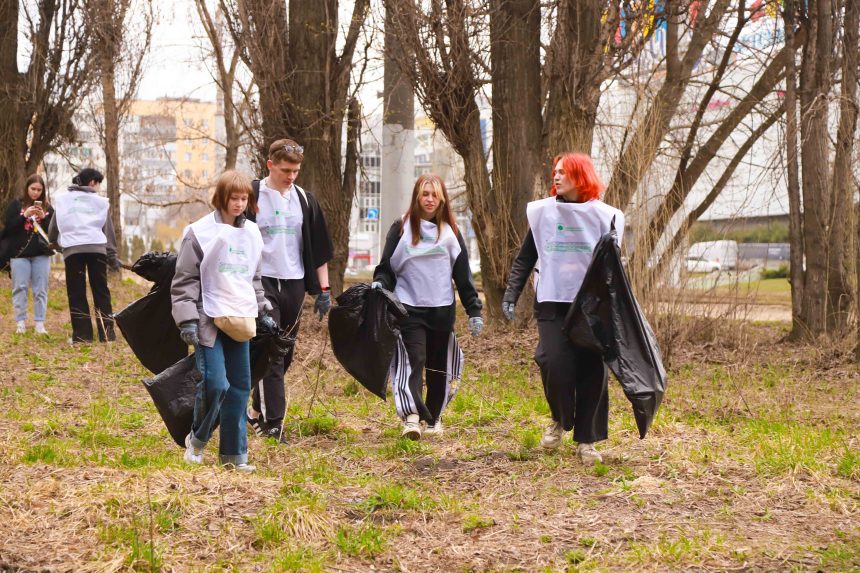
(290, 148)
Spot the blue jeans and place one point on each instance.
(27, 273)
(222, 396)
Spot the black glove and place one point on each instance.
(269, 323)
(188, 332)
(323, 303)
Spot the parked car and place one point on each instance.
(699, 264)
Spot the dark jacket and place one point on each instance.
(435, 318)
(19, 238)
(314, 233)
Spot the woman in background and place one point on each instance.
(26, 248)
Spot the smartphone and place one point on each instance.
(37, 204)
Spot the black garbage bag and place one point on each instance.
(606, 318)
(147, 323)
(155, 266)
(364, 327)
(268, 346)
(173, 392)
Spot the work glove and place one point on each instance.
(508, 310)
(376, 284)
(476, 325)
(114, 265)
(188, 332)
(323, 303)
(269, 323)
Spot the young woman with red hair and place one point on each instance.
(563, 230)
(423, 258)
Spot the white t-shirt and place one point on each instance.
(280, 221)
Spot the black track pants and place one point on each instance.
(428, 349)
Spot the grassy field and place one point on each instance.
(753, 463)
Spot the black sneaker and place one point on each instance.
(275, 433)
(257, 424)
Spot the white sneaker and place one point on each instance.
(552, 436)
(20, 327)
(411, 428)
(192, 455)
(434, 430)
(40, 328)
(588, 454)
(243, 468)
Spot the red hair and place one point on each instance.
(580, 171)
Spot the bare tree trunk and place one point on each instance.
(111, 146)
(795, 218)
(842, 264)
(516, 180)
(815, 82)
(304, 90)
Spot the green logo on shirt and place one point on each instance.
(232, 269)
(567, 247)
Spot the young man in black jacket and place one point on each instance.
(296, 251)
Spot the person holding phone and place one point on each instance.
(25, 247)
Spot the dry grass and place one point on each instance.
(752, 464)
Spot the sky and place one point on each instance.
(173, 66)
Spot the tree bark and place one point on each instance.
(815, 83)
(304, 87)
(795, 217)
(841, 264)
(516, 180)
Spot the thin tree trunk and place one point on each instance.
(795, 218)
(841, 264)
(815, 82)
(111, 145)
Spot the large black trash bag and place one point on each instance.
(173, 392)
(364, 327)
(147, 323)
(606, 318)
(174, 389)
(268, 346)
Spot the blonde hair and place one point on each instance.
(443, 211)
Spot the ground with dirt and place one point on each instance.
(753, 463)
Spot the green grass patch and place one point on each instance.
(396, 497)
(364, 540)
(473, 521)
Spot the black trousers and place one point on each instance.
(574, 383)
(78, 266)
(267, 395)
(426, 349)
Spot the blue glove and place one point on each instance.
(476, 325)
(269, 323)
(508, 310)
(188, 332)
(323, 303)
(376, 284)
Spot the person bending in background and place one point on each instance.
(82, 228)
(563, 231)
(28, 252)
(423, 252)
